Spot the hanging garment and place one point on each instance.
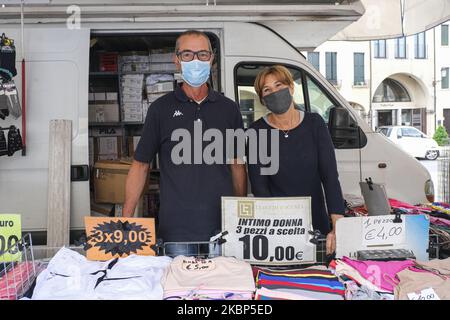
(4, 112)
(12, 99)
(14, 140)
(3, 144)
(7, 58)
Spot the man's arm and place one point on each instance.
(134, 186)
(239, 175)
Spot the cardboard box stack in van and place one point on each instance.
(109, 181)
(161, 60)
(132, 144)
(106, 143)
(103, 107)
(109, 185)
(131, 93)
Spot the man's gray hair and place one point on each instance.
(192, 33)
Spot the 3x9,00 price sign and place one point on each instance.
(10, 234)
(109, 238)
(268, 230)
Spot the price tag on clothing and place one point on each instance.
(271, 231)
(426, 294)
(10, 234)
(381, 230)
(109, 238)
(195, 264)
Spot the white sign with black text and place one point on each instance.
(383, 232)
(268, 231)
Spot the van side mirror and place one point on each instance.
(399, 136)
(344, 130)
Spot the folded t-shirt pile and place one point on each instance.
(388, 280)
(315, 283)
(426, 276)
(221, 278)
(70, 276)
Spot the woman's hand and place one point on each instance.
(331, 243)
(331, 237)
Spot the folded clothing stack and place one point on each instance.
(18, 279)
(70, 276)
(221, 278)
(386, 280)
(426, 277)
(159, 83)
(316, 283)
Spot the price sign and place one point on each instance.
(109, 238)
(381, 230)
(272, 231)
(10, 234)
(426, 294)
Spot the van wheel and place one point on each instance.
(432, 155)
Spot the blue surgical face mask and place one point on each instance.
(195, 72)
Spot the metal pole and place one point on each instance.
(370, 85)
(24, 104)
(434, 78)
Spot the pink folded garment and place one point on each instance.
(399, 204)
(16, 280)
(380, 273)
(439, 221)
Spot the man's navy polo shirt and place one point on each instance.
(190, 194)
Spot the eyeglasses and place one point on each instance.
(188, 55)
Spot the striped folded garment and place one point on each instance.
(307, 284)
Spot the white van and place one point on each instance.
(58, 77)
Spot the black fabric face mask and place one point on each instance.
(278, 102)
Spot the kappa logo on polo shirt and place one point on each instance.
(177, 113)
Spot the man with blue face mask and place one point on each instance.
(191, 191)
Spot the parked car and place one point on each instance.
(412, 140)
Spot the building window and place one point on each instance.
(358, 68)
(391, 90)
(380, 48)
(331, 67)
(387, 118)
(314, 58)
(400, 48)
(444, 34)
(420, 45)
(444, 78)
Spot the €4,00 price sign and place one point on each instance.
(109, 238)
(10, 234)
(270, 231)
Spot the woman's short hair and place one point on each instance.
(280, 72)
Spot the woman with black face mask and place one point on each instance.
(307, 162)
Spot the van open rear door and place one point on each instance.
(56, 88)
